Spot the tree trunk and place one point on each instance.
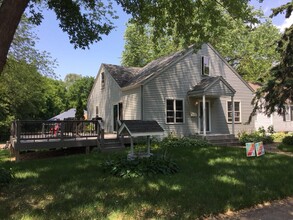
(10, 16)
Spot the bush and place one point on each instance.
(279, 136)
(256, 136)
(123, 167)
(288, 140)
(171, 142)
(6, 176)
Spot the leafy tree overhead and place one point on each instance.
(250, 50)
(86, 21)
(277, 91)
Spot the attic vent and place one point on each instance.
(205, 65)
(102, 80)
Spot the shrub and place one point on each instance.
(6, 176)
(288, 140)
(279, 136)
(171, 142)
(156, 164)
(256, 136)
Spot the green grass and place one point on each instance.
(211, 180)
(286, 147)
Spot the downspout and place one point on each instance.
(141, 102)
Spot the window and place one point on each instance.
(102, 80)
(205, 69)
(174, 111)
(237, 111)
(288, 116)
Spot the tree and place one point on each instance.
(80, 89)
(70, 78)
(84, 21)
(277, 91)
(250, 50)
(79, 114)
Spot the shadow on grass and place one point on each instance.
(211, 180)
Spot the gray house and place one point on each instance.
(186, 92)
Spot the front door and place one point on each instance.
(208, 116)
(117, 114)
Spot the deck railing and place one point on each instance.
(71, 129)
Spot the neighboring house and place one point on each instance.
(174, 90)
(279, 123)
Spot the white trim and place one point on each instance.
(210, 116)
(183, 110)
(240, 117)
(147, 134)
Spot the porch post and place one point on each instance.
(204, 115)
(233, 115)
(131, 146)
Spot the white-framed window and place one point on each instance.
(102, 80)
(174, 111)
(205, 65)
(288, 116)
(237, 111)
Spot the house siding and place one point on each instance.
(280, 124)
(179, 78)
(131, 100)
(104, 98)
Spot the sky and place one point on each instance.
(109, 50)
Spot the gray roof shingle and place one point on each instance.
(130, 76)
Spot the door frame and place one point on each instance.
(199, 117)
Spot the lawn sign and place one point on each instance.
(250, 150)
(259, 148)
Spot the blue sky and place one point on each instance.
(87, 62)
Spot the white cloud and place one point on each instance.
(287, 23)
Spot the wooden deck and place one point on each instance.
(40, 135)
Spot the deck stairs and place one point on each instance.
(112, 144)
(223, 140)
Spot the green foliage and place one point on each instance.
(145, 166)
(251, 52)
(288, 140)
(185, 142)
(6, 176)
(279, 136)
(276, 93)
(255, 136)
(79, 114)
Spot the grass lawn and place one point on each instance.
(286, 147)
(211, 180)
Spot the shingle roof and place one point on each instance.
(130, 76)
(121, 74)
(141, 128)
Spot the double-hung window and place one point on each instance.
(237, 112)
(174, 111)
(288, 116)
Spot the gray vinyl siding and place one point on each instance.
(104, 98)
(131, 100)
(178, 79)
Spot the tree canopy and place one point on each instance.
(86, 21)
(249, 49)
(276, 93)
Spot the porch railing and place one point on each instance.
(71, 129)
